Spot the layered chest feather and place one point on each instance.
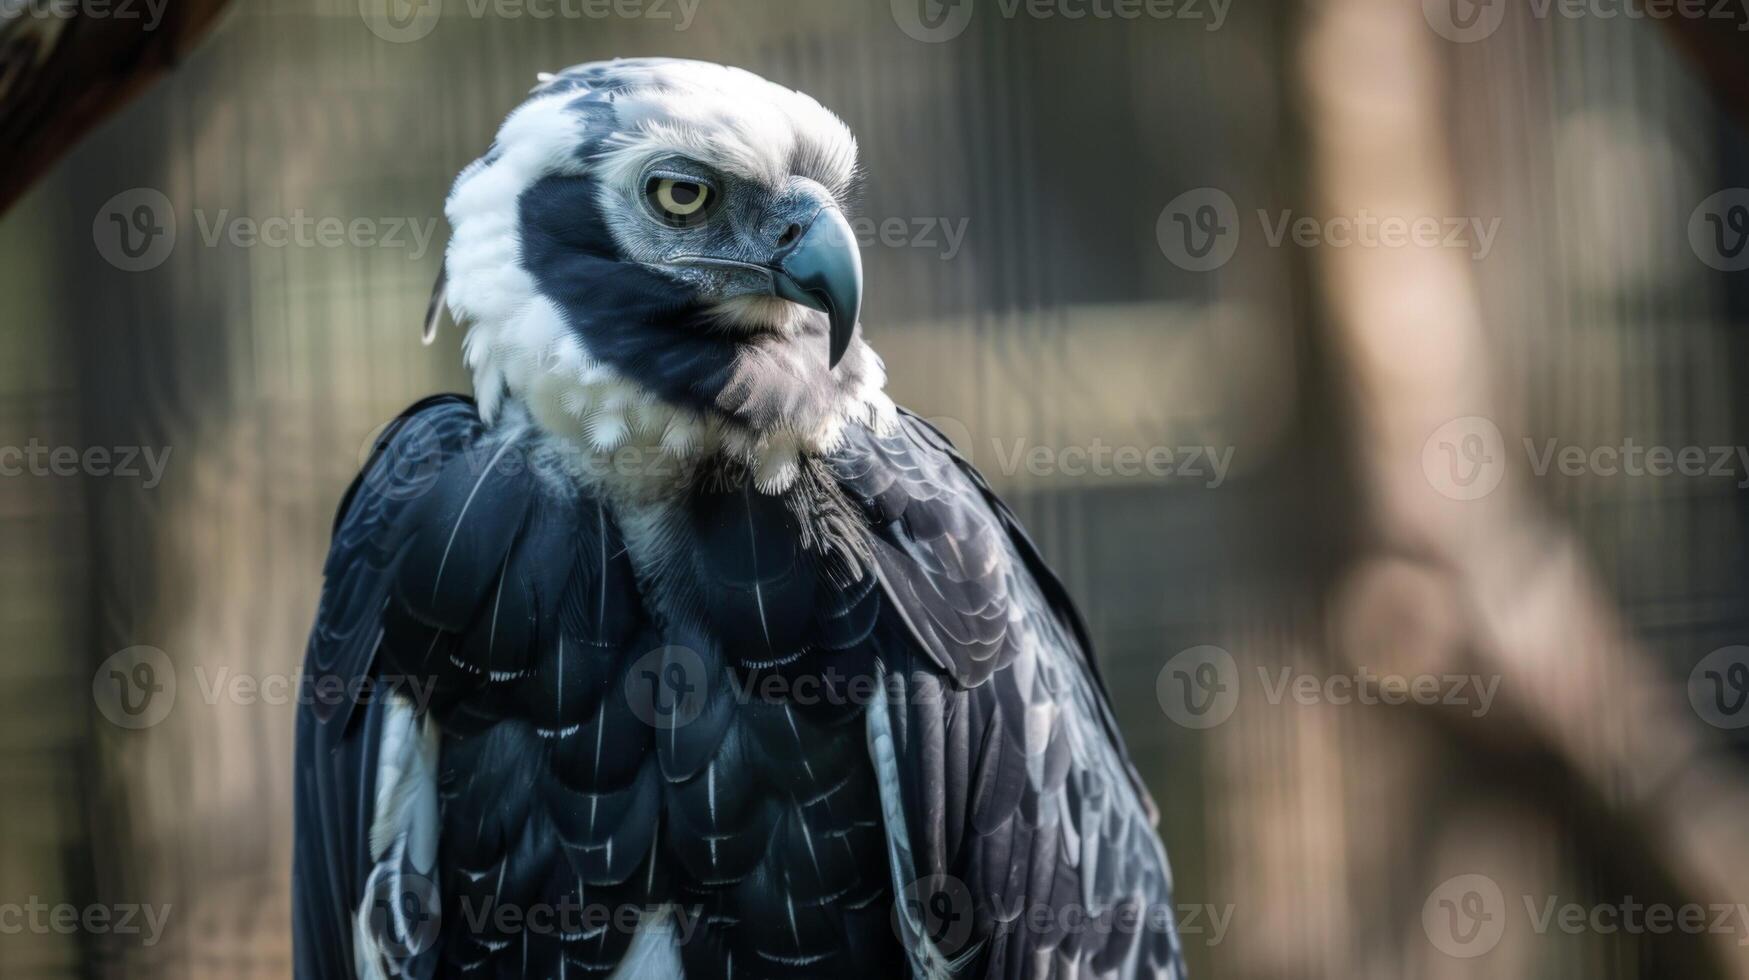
(646, 704)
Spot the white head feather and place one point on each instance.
(520, 345)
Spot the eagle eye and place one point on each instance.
(679, 202)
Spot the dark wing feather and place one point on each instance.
(1031, 838)
(504, 605)
(516, 596)
(337, 738)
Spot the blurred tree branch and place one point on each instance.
(65, 66)
(1490, 585)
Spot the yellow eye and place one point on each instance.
(679, 199)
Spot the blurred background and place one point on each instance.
(1368, 367)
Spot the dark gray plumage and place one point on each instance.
(805, 703)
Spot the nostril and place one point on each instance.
(790, 234)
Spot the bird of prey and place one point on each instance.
(679, 650)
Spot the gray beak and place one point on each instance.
(822, 269)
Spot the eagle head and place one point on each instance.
(654, 252)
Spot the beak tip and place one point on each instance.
(823, 270)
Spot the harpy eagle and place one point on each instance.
(681, 651)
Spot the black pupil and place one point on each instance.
(684, 193)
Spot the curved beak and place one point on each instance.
(822, 269)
